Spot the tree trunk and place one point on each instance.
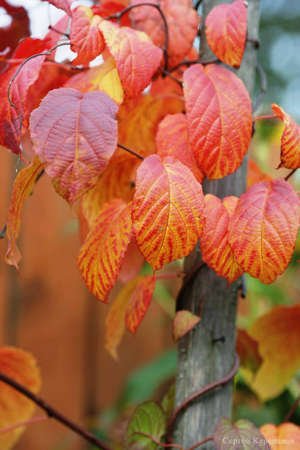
(207, 353)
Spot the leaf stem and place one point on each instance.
(132, 152)
(264, 117)
(290, 174)
(292, 409)
(53, 413)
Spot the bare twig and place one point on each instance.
(204, 390)
(53, 413)
(132, 152)
(290, 174)
(120, 14)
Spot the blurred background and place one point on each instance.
(47, 310)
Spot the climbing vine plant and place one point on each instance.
(128, 142)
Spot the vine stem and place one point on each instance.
(53, 413)
(207, 439)
(120, 14)
(204, 390)
(129, 150)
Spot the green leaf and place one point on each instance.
(148, 419)
(243, 435)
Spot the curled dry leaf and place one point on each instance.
(218, 109)
(264, 229)
(226, 31)
(14, 407)
(167, 210)
(290, 140)
(74, 145)
(136, 57)
(103, 251)
(183, 323)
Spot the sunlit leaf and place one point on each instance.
(139, 303)
(172, 140)
(226, 31)
(167, 210)
(218, 109)
(148, 420)
(75, 147)
(14, 407)
(215, 248)
(278, 335)
(264, 229)
(22, 189)
(283, 436)
(137, 59)
(242, 435)
(183, 323)
(86, 38)
(102, 253)
(290, 140)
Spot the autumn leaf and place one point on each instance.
(132, 263)
(139, 303)
(242, 435)
(22, 189)
(15, 31)
(167, 210)
(103, 251)
(247, 349)
(137, 59)
(218, 109)
(255, 174)
(290, 140)
(215, 248)
(86, 38)
(282, 435)
(65, 5)
(278, 335)
(264, 229)
(75, 147)
(14, 407)
(226, 31)
(172, 140)
(183, 323)
(103, 78)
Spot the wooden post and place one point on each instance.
(207, 353)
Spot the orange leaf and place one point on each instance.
(14, 407)
(264, 229)
(75, 147)
(102, 78)
(167, 210)
(115, 319)
(255, 174)
(278, 336)
(215, 248)
(290, 140)
(139, 303)
(247, 349)
(219, 117)
(86, 38)
(183, 323)
(182, 20)
(172, 140)
(103, 251)
(132, 263)
(226, 31)
(22, 189)
(283, 436)
(137, 59)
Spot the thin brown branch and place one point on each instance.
(53, 413)
(290, 174)
(61, 33)
(120, 14)
(292, 409)
(157, 442)
(132, 152)
(204, 441)
(196, 395)
(168, 74)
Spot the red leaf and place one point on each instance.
(219, 117)
(19, 28)
(103, 251)
(132, 263)
(183, 323)
(290, 140)
(139, 303)
(75, 147)
(129, 47)
(65, 5)
(14, 407)
(167, 210)
(86, 38)
(22, 189)
(264, 229)
(226, 31)
(172, 140)
(215, 248)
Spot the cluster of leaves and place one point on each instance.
(128, 143)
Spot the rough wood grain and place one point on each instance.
(207, 353)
